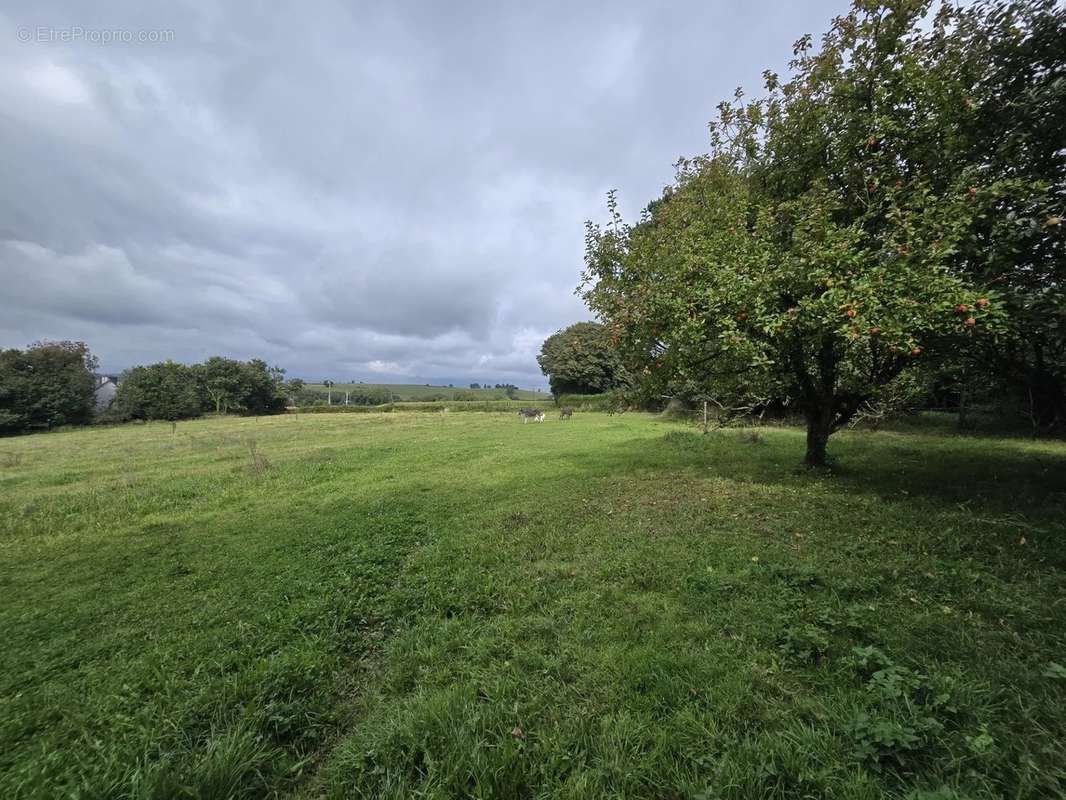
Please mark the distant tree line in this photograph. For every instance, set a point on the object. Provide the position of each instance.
(368, 395)
(492, 386)
(169, 390)
(51, 384)
(361, 396)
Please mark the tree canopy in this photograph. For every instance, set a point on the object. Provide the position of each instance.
(580, 359)
(840, 231)
(167, 390)
(45, 385)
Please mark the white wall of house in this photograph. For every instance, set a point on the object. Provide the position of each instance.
(105, 393)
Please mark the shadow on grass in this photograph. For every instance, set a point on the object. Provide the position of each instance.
(1000, 477)
(979, 475)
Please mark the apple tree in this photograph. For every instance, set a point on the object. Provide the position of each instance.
(819, 250)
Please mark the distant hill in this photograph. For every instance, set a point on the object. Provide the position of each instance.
(419, 391)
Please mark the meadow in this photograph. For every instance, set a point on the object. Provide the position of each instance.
(460, 605)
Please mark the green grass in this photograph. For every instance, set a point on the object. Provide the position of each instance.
(418, 605)
(420, 392)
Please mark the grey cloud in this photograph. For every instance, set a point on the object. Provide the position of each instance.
(364, 191)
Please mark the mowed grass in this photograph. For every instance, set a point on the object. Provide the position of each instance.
(415, 605)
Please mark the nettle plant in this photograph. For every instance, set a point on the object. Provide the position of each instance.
(814, 254)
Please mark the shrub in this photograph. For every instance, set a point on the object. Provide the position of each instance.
(588, 402)
(160, 391)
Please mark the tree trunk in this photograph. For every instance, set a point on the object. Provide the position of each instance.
(1047, 397)
(818, 430)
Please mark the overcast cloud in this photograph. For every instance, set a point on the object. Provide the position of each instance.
(375, 191)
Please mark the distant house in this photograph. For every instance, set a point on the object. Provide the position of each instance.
(106, 387)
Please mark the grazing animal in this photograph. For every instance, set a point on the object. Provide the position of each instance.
(566, 412)
(528, 414)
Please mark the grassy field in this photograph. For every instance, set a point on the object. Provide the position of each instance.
(418, 605)
(418, 392)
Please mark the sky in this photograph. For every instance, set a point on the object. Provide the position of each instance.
(388, 191)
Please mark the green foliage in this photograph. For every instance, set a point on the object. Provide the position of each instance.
(807, 643)
(262, 389)
(826, 244)
(906, 715)
(174, 391)
(247, 386)
(371, 396)
(167, 390)
(581, 359)
(590, 402)
(221, 381)
(293, 389)
(1000, 67)
(52, 383)
(46, 385)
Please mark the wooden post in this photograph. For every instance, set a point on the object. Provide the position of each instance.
(705, 416)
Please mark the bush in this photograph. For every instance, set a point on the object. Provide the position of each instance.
(160, 391)
(588, 402)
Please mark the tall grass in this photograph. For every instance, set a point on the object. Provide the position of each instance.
(459, 605)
